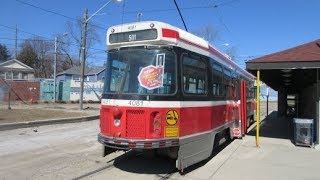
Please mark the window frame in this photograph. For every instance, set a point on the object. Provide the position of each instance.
(175, 77)
(78, 79)
(221, 76)
(206, 81)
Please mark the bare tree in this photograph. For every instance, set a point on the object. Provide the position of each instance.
(231, 52)
(44, 51)
(211, 34)
(208, 32)
(75, 30)
(65, 59)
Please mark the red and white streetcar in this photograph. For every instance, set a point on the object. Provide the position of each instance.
(171, 91)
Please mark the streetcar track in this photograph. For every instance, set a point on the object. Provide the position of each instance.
(124, 156)
(168, 175)
(94, 172)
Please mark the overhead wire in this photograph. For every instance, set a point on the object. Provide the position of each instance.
(46, 10)
(56, 13)
(14, 29)
(100, 51)
(127, 12)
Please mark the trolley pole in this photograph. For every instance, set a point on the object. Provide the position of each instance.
(258, 109)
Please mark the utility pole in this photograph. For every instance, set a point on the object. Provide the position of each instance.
(83, 46)
(55, 69)
(16, 44)
(83, 55)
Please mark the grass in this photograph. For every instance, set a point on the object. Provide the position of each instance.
(23, 115)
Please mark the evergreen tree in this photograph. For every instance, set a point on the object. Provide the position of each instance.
(4, 53)
(27, 55)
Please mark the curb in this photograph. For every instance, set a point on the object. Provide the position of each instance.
(10, 126)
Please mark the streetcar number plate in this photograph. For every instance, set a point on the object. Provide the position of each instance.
(135, 103)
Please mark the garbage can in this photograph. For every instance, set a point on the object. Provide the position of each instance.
(303, 132)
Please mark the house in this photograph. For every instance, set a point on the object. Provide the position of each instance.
(15, 70)
(90, 75)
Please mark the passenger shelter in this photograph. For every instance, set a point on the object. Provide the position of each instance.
(294, 73)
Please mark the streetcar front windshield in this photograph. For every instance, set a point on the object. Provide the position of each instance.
(141, 71)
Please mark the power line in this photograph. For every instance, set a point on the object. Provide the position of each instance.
(56, 13)
(181, 8)
(26, 39)
(8, 44)
(52, 40)
(36, 35)
(14, 29)
(46, 10)
(169, 9)
(225, 3)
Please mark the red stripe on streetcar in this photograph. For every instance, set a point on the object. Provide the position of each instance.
(169, 33)
(117, 142)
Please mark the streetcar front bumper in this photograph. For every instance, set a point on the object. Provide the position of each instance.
(126, 144)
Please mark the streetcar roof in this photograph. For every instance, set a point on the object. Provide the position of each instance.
(167, 34)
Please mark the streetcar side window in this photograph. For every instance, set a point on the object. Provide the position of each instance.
(194, 75)
(228, 83)
(217, 77)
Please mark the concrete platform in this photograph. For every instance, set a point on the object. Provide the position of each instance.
(277, 157)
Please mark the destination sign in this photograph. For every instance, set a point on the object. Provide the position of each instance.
(141, 35)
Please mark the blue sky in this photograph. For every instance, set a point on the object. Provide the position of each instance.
(254, 28)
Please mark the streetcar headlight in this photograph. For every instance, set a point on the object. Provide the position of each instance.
(116, 122)
(156, 124)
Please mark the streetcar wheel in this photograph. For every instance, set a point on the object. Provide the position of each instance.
(221, 138)
(107, 150)
(104, 151)
(172, 152)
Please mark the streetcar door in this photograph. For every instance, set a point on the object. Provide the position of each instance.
(243, 107)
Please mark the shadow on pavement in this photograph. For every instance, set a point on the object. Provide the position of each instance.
(151, 163)
(275, 127)
(139, 163)
(145, 163)
(215, 151)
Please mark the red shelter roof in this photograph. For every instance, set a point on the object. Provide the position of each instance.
(292, 69)
(304, 53)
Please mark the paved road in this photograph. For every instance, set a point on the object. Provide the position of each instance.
(71, 151)
(55, 151)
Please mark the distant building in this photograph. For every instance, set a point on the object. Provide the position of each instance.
(15, 70)
(90, 75)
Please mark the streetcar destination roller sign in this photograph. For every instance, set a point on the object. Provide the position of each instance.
(132, 36)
